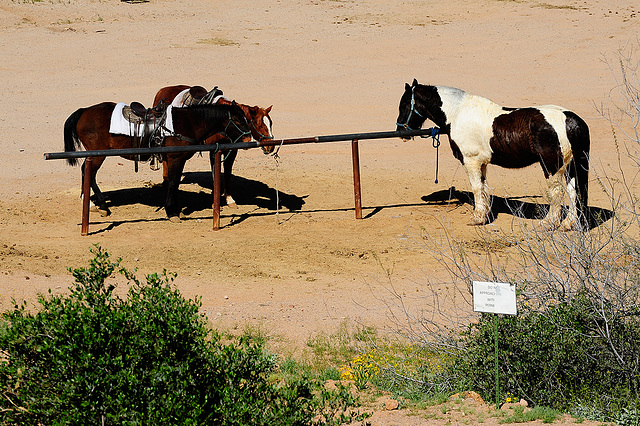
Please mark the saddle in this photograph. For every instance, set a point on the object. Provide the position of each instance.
(136, 113)
(198, 95)
(149, 120)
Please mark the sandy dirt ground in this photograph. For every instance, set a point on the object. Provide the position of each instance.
(327, 67)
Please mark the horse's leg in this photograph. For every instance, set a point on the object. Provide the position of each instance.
(100, 204)
(228, 167)
(229, 158)
(175, 166)
(556, 191)
(476, 172)
(571, 222)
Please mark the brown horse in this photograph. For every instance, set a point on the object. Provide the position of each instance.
(258, 119)
(191, 125)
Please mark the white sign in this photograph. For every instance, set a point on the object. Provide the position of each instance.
(495, 298)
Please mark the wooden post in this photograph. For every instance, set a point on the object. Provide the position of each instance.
(86, 192)
(217, 184)
(356, 177)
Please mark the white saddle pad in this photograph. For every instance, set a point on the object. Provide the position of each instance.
(178, 101)
(121, 126)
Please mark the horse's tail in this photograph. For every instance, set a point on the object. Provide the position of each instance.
(578, 134)
(71, 140)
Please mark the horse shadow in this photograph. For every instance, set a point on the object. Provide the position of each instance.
(249, 192)
(245, 192)
(513, 206)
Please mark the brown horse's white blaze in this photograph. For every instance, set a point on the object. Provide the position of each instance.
(482, 132)
(258, 118)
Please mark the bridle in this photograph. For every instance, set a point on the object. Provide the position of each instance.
(435, 132)
(242, 132)
(411, 112)
(262, 137)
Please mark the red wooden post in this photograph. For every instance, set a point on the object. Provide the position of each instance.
(217, 184)
(86, 191)
(356, 177)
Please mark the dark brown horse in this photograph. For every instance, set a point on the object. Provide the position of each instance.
(90, 127)
(258, 118)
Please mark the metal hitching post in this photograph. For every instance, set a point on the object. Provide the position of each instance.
(355, 153)
(86, 196)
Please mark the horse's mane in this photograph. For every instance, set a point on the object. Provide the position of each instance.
(209, 111)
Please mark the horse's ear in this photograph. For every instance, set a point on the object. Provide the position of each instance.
(415, 82)
(268, 110)
(407, 87)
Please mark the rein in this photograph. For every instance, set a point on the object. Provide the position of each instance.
(435, 142)
(193, 141)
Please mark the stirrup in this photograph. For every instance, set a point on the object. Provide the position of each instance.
(154, 164)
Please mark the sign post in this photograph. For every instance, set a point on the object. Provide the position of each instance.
(495, 298)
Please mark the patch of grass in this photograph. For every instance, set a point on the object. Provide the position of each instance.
(544, 5)
(218, 41)
(329, 350)
(519, 415)
(559, 7)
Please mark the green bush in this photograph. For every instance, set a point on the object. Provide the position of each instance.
(564, 356)
(91, 357)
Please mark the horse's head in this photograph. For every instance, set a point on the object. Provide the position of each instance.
(261, 126)
(412, 114)
(237, 129)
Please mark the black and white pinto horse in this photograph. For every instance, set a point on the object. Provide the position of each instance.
(481, 132)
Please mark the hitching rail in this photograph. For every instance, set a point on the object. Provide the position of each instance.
(218, 148)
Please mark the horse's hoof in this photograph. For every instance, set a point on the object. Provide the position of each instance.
(174, 219)
(229, 201)
(570, 225)
(475, 221)
(104, 212)
(546, 226)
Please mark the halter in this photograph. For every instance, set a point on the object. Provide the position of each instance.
(412, 111)
(435, 132)
(242, 133)
(262, 137)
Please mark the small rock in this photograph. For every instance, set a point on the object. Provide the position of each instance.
(391, 404)
(468, 395)
(512, 405)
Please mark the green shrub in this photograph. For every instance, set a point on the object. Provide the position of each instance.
(91, 357)
(556, 357)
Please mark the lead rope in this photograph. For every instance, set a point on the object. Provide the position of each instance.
(435, 137)
(276, 158)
